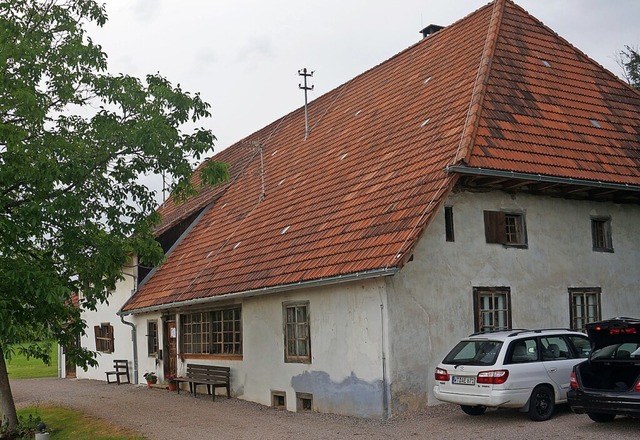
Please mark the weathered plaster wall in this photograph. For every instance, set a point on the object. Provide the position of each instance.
(121, 333)
(431, 302)
(345, 375)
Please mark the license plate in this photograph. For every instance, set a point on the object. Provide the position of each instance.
(463, 380)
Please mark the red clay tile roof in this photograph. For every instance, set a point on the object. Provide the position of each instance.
(357, 194)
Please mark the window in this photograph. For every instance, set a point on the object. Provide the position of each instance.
(523, 351)
(152, 337)
(297, 341)
(492, 308)
(505, 228)
(601, 234)
(448, 223)
(217, 332)
(584, 306)
(104, 337)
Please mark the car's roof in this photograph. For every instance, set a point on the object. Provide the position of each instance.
(503, 335)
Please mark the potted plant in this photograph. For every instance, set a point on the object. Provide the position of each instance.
(172, 384)
(151, 378)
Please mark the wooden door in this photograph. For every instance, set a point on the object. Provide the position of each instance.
(170, 348)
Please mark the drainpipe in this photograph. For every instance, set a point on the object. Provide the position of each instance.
(385, 395)
(134, 338)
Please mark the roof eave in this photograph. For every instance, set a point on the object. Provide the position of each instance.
(465, 170)
(357, 276)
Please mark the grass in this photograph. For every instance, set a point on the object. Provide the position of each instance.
(19, 367)
(63, 423)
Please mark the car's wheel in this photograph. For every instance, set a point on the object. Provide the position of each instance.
(601, 417)
(542, 403)
(473, 410)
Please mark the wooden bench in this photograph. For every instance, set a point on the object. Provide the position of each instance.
(120, 368)
(210, 375)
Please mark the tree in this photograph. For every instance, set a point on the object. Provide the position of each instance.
(74, 140)
(629, 60)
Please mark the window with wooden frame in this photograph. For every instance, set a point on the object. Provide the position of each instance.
(584, 306)
(297, 340)
(104, 337)
(506, 228)
(216, 332)
(492, 308)
(152, 337)
(601, 234)
(448, 223)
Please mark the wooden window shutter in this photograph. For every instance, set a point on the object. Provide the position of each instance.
(494, 227)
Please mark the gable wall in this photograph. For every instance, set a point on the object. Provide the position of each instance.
(123, 344)
(431, 301)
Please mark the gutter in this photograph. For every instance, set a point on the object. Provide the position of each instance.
(268, 290)
(541, 178)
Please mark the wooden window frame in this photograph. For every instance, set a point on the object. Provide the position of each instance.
(104, 337)
(601, 239)
(297, 334)
(579, 306)
(152, 337)
(507, 228)
(448, 224)
(478, 312)
(212, 333)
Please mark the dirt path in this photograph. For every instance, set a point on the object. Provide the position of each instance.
(162, 415)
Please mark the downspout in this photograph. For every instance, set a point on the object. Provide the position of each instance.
(385, 392)
(134, 338)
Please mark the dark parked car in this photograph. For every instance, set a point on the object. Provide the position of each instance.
(608, 383)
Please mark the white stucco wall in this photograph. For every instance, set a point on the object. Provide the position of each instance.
(431, 300)
(345, 375)
(123, 344)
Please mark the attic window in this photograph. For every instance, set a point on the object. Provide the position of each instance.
(595, 123)
(358, 112)
(426, 121)
(237, 244)
(284, 231)
(546, 63)
(343, 156)
(281, 182)
(274, 153)
(427, 80)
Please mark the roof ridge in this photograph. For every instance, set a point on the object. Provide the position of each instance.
(480, 86)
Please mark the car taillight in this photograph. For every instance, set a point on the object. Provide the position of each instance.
(493, 377)
(573, 382)
(442, 375)
(637, 388)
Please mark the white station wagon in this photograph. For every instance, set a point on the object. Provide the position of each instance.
(525, 369)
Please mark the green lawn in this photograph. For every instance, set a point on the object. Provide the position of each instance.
(19, 367)
(63, 423)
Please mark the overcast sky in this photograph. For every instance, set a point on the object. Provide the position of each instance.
(243, 55)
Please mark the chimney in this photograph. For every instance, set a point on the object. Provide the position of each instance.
(430, 30)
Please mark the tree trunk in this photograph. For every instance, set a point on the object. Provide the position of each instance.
(7, 406)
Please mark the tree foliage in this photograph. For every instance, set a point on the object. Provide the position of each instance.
(74, 140)
(629, 60)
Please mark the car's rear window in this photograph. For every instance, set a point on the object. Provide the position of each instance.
(474, 353)
(618, 352)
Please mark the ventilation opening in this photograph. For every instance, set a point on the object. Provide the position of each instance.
(304, 402)
(278, 399)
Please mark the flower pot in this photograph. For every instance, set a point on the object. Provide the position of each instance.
(151, 382)
(172, 386)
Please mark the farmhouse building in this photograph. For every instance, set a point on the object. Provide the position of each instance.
(487, 177)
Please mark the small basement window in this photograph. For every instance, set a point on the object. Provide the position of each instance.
(304, 402)
(278, 399)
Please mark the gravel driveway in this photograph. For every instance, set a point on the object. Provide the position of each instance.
(162, 415)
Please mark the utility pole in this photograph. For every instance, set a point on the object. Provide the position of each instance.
(306, 88)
